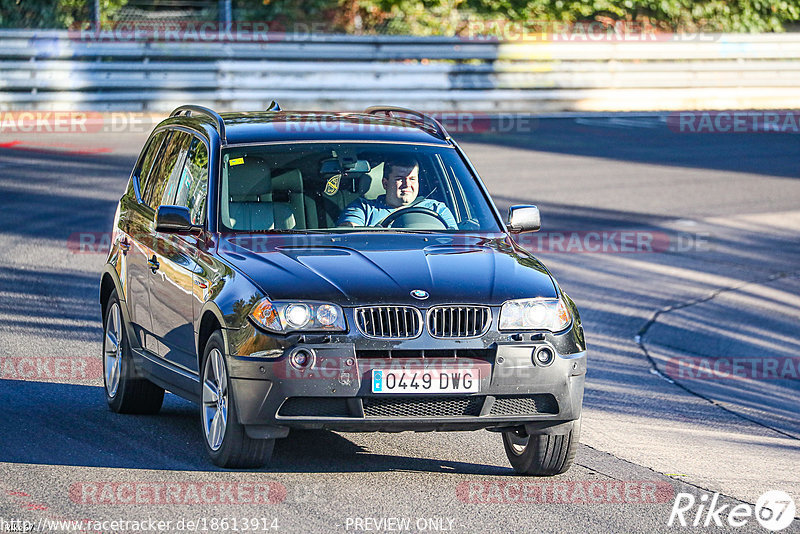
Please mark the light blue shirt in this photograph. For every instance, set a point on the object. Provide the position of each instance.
(365, 212)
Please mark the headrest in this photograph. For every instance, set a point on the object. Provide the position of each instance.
(290, 181)
(250, 181)
(355, 182)
(375, 187)
(362, 184)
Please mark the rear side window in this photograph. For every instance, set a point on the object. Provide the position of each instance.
(146, 163)
(169, 160)
(192, 184)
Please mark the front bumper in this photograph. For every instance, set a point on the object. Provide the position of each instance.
(335, 393)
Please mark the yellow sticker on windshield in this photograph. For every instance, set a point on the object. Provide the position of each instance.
(236, 161)
(332, 186)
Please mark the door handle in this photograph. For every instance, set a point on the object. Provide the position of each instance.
(153, 264)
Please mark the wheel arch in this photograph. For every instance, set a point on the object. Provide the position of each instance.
(211, 319)
(107, 287)
(109, 281)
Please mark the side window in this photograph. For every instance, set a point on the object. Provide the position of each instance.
(169, 159)
(192, 185)
(453, 191)
(146, 164)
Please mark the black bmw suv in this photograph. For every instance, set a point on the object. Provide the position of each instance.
(342, 271)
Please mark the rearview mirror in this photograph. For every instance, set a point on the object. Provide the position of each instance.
(171, 219)
(523, 219)
(345, 166)
(359, 165)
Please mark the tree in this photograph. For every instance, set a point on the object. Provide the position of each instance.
(444, 17)
(52, 13)
(674, 15)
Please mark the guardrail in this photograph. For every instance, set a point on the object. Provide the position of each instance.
(63, 70)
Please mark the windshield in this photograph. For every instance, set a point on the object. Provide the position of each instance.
(350, 186)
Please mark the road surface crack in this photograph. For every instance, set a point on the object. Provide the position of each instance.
(640, 335)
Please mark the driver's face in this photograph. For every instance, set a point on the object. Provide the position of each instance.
(402, 186)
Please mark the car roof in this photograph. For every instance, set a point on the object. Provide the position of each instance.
(275, 126)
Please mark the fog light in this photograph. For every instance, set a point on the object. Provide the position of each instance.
(544, 355)
(302, 358)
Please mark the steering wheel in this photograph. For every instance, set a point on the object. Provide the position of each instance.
(389, 219)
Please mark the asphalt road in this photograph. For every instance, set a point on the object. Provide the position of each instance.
(720, 279)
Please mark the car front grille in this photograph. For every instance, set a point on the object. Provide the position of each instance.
(389, 322)
(524, 405)
(458, 321)
(422, 407)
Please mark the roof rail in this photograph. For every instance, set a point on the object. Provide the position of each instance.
(189, 109)
(425, 119)
(274, 106)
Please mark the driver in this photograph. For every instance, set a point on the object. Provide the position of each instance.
(401, 182)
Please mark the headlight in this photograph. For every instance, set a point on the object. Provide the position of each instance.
(283, 317)
(327, 315)
(535, 314)
(297, 315)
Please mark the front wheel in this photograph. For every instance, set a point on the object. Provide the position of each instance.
(542, 454)
(227, 443)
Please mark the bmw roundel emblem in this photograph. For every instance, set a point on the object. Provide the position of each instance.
(419, 294)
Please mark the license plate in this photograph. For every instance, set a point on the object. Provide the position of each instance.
(422, 381)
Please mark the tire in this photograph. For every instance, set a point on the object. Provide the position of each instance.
(125, 392)
(225, 439)
(542, 454)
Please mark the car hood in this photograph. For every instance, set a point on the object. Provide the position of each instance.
(363, 268)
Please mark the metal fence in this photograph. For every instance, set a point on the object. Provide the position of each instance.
(69, 70)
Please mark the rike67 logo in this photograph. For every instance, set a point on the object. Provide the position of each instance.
(774, 510)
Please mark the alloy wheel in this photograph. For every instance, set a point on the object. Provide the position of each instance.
(215, 399)
(112, 350)
(518, 441)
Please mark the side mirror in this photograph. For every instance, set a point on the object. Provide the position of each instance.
(171, 219)
(523, 219)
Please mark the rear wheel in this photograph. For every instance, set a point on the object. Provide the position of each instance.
(227, 443)
(542, 454)
(125, 392)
